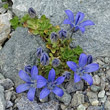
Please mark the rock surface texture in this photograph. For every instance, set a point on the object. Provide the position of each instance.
(97, 37)
(18, 52)
(4, 26)
(2, 99)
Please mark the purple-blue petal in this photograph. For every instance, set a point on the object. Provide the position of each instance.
(22, 88)
(24, 76)
(34, 72)
(51, 76)
(58, 91)
(45, 92)
(82, 29)
(76, 78)
(41, 81)
(67, 21)
(31, 94)
(82, 60)
(70, 15)
(72, 65)
(88, 78)
(60, 80)
(91, 67)
(79, 17)
(86, 23)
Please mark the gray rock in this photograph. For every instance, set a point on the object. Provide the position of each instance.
(108, 74)
(95, 88)
(77, 99)
(103, 84)
(52, 105)
(2, 10)
(81, 107)
(8, 95)
(6, 83)
(25, 104)
(101, 94)
(96, 80)
(107, 105)
(2, 99)
(97, 37)
(107, 60)
(18, 52)
(95, 102)
(103, 99)
(94, 108)
(4, 26)
(63, 107)
(92, 97)
(9, 104)
(1, 76)
(72, 87)
(66, 98)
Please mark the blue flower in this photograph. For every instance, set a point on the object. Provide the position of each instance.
(81, 71)
(31, 83)
(54, 37)
(28, 68)
(55, 62)
(39, 52)
(44, 59)
(89, 59)
(32, 12)
(50, 84)
(76, 23)
(62, 34)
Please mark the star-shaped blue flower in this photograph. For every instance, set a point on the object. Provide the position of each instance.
(50, 84)
(76, 24)
(31, 83)
(82, 69)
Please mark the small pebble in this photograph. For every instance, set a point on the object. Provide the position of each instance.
(101, 94)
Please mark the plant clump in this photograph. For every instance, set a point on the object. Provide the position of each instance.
(60, 60)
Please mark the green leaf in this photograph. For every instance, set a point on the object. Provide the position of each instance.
(5, 5)
(25, 18)
(15, 22)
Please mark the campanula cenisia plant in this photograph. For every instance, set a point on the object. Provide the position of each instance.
(31, 83)
(54, 37)
(89, 59)
(62, 34)
(44, 59)
(32, 12)
(28, 68)
(39, 52)
(55, 62)
(75, 22)
(50, 84)
(82, 69)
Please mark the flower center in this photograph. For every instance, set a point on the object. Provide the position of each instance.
(33, 83)
(80, 71)
(50, 85)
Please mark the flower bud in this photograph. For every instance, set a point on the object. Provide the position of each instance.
(55, 62)
(32, 12)
(89, 59)
(44, 59)
(62, 34)
(28, 68)
(39, 52)
(67, 75)
(54, 37)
